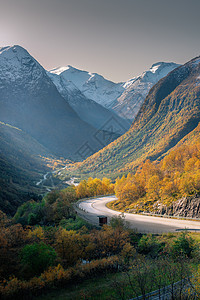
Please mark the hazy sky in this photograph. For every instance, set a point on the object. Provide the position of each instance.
(116, 38)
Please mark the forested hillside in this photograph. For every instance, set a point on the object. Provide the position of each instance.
(171, 112)
(21, 167)
(157, 185)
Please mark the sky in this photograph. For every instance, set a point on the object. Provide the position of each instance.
(118, 39)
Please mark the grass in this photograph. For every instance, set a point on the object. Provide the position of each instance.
(109, 287)
(97, 288)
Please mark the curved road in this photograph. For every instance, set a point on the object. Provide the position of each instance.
(92, 208)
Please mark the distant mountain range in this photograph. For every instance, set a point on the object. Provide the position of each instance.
(136, 89)
(125, 98)
(30, 101)
(60, 113)
(169, 117)
(93, 86)
(66, 110)
(89, 110)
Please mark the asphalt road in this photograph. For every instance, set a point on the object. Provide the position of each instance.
(92, 208)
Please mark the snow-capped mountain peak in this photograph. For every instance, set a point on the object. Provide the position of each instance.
(137, 88)
(59, 70)
(92, 85)
(111, 95)
(156, 72)
(14, 56)
(16, 63)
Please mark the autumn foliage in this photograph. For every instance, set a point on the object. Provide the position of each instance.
(175, 176)
(94, 187)
(55, 256)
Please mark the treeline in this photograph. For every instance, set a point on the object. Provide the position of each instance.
(175, 176)
(54, 207)
(94, 187)
(57, 206)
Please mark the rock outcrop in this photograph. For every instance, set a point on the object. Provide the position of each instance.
(185, 207)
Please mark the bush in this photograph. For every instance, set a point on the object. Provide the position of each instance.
(118, 222)
(37, 257)
(148, 245)
(55, 277)
(74, 223)
(183, 246)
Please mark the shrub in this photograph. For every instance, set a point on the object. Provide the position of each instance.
(148, 245)
(183, 246)
(37, 257)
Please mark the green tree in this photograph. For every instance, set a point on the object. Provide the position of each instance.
(183, 246)
(37, 257)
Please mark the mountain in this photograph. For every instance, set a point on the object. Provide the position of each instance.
(125, 98)
(170, 113)
(93, 86)
(88, 110)
(21, 167)
(136, 89)
(30, 101)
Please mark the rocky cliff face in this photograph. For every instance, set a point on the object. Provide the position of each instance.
(185, 207)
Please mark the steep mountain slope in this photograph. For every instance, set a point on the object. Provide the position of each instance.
(124, 98)
(93, 86)
(136, 89)
(20, 167)
(88, 110)
(170, 112)
(29, 100)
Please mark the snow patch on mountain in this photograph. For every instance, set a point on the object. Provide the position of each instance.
(92, 85)
(17, 64)
(125, 98)
(88, 110)
(137, 88)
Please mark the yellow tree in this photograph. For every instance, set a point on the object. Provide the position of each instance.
(81, 190)
(67, 245)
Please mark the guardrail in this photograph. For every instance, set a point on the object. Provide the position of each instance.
(166, 292)
(168, 216)
(141, 213)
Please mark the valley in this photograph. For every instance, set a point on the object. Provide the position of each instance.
(99, 150)
(170, 112)
(75, 146)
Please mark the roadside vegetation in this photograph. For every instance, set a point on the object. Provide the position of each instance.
(66, 257)
(177, 175)
(48, 251)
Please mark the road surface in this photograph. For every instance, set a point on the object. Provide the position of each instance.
(92, 208)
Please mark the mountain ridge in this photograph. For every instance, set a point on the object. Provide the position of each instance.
(137, 88)
(124, 98)
(29, 100)
(92, 85)
(87, 109)
(21, 166)
(170, 111)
